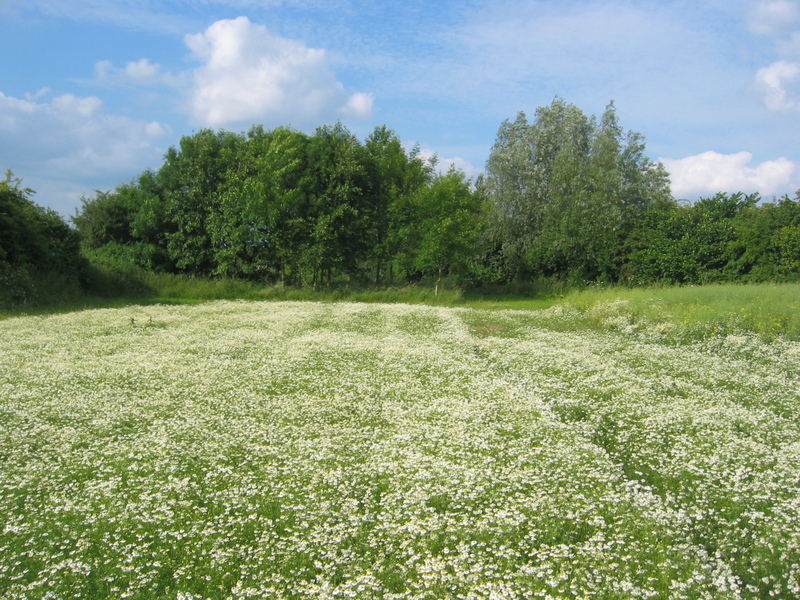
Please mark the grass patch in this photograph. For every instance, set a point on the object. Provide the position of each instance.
(770, 310)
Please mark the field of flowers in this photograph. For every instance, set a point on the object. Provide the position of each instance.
(299, 450)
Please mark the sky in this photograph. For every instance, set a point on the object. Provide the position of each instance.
(93, 92)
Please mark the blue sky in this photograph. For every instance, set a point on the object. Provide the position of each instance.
(92, 92)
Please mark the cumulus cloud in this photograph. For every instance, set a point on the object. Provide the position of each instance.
(712, 172)
(777, 83)
(359, 106)
(47, 139)
(250, 75)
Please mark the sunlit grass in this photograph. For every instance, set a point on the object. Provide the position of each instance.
(324, 450)
(769, 310)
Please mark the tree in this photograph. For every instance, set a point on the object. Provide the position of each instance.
(150, 225)
(690, 243)
(672, 251)
(105, 218)
(20, 241)
(512, 186)
(127, 223)
(566, 191)
(340, 206)
(443, 227)
(258, 226)
(787, 249)
(390, 174)
(37, 248)
(189, 182)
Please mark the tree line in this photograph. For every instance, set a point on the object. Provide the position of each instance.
(564, 196)
(575, 198)
(283, 206)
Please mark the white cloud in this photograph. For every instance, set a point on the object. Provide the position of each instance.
(775, 17)
(103, 69)
(249, 75)
(779, 83)
(712, 172)
(141, 69)
(359, 106)
(75, 107)
(67, 138)
(776, 82)
(137, 73)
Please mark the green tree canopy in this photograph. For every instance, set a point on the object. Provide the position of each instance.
(441, 227)
(566, 190)
(189, 183)
(35, 244)
(258, 225)
(565, 196)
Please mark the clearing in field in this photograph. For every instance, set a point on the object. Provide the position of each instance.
(300, 450)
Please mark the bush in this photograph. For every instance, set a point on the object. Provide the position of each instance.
(40, 259)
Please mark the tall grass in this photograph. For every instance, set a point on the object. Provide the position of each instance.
(137, 287)
(192, 289)
(770, 310)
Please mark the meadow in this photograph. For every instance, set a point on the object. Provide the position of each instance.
(609, 448)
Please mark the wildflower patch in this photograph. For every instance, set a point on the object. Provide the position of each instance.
(303, 450)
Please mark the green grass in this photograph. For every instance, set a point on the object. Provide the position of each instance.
(181, 287)
(769, 310)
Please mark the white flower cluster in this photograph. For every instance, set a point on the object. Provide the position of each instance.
(299, 450)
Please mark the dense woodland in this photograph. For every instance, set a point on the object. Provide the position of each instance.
(564, 196)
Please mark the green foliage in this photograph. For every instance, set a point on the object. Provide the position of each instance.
(39, 254)
(257, 227)
(394, 176)
(728, 237)
(567, 198)
(271, 206)
(189, 183)
(107, 218)
(682, 246)
(442, 227)
(116, 273)
(765, 242)
(340, 207)
(566, 192)
(786, 242)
